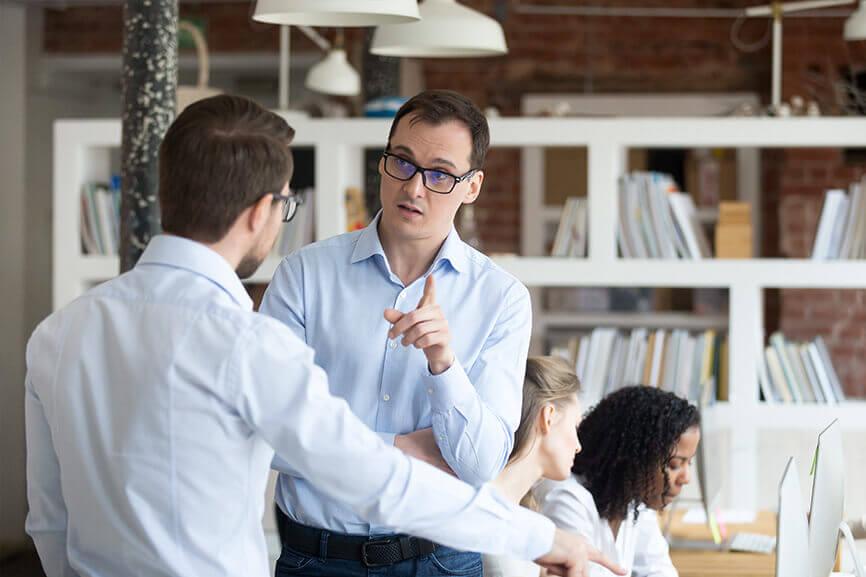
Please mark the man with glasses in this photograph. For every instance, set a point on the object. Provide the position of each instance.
(425, 337)
(154, 402)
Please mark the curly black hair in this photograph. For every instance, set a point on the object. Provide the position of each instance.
(627, 438)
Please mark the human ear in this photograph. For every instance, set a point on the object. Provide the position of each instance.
(545, 418)
(475, 182)
(260, 213)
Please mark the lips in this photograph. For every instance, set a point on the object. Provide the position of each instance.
(410, 207)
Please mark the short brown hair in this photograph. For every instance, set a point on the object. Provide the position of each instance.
(437, 107)
(219, 156)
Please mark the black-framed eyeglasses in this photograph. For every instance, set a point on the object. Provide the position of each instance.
(291, 202)
(434, 180)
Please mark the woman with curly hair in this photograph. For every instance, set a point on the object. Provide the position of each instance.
(638, 443)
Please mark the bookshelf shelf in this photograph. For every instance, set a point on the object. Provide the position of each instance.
(777, 273)
(85, 150)
(814, 417)
(654, 320)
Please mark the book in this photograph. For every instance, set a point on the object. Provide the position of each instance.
(777, 340)
(685, 213)
(811, 375)
(777, 375)
(821, 373)
(828, 366)
(825, 247)
(764, 381)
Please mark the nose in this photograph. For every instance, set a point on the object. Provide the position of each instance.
(415, 186)
(685, 477)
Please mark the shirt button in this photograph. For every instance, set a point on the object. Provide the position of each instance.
(387, 398)
(393, 344)
(430, 391)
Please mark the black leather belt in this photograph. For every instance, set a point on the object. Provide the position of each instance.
(372, 552)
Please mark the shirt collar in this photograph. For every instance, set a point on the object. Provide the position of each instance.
(179, 252)
(453, 250)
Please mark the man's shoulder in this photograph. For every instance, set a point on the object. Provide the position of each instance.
(342, 244)
(484, 269)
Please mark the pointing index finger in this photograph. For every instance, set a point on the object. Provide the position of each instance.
(429, 296)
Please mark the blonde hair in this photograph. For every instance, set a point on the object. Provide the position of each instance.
(548, 380)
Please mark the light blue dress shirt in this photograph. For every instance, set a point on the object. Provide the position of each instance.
(333, 294)
(152, 404)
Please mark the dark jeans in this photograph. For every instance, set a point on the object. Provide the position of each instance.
(443, 561)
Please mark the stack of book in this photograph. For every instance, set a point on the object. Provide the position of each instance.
(694, 366)
(100, 217)
(798, 373)
(842, 228)
(656, 220)
(570, 239)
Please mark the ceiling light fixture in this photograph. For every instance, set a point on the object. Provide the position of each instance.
(447, 29)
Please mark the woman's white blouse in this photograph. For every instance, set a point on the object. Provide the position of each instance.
(639, 546)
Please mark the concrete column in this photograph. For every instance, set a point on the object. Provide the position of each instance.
(13, 260)
(149, 86)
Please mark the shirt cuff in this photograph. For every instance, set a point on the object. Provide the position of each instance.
(449, 388)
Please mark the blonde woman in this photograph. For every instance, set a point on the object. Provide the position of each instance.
(544, 444)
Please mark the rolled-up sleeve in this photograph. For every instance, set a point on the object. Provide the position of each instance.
(476, 411)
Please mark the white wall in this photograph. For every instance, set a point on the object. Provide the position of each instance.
(13, 69)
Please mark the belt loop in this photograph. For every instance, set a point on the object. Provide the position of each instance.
(323, 546)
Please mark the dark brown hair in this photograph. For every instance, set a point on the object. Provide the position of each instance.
(436, 107)
(219, 156)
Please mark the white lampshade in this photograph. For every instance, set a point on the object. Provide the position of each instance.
(336, 13)
(446, 30)
(334, 75)
(855, 26)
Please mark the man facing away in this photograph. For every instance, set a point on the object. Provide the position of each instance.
(424, 337)
(154, 400)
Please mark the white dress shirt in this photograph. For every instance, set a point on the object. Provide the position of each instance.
(152, 404)
(332, 295)
(502, 566)
(639, 547)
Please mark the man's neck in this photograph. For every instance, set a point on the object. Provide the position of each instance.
(409, 260)
(518, 477)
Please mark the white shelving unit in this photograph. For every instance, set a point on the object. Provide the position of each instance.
(82, 152)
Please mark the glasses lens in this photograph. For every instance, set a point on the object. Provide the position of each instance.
(289, 210)
(439, 181)
(399, 168)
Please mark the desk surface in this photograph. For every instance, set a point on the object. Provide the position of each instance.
(692, 563)
(723, 564)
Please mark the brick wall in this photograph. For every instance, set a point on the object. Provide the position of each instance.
(599, 54)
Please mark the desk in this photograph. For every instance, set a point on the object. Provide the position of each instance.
(723, 564)
(692, 563)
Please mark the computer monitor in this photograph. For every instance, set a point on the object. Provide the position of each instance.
(828, 501)
(708, 480)
(792, 531)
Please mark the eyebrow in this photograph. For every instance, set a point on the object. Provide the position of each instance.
(408, 151)
(680, 457)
